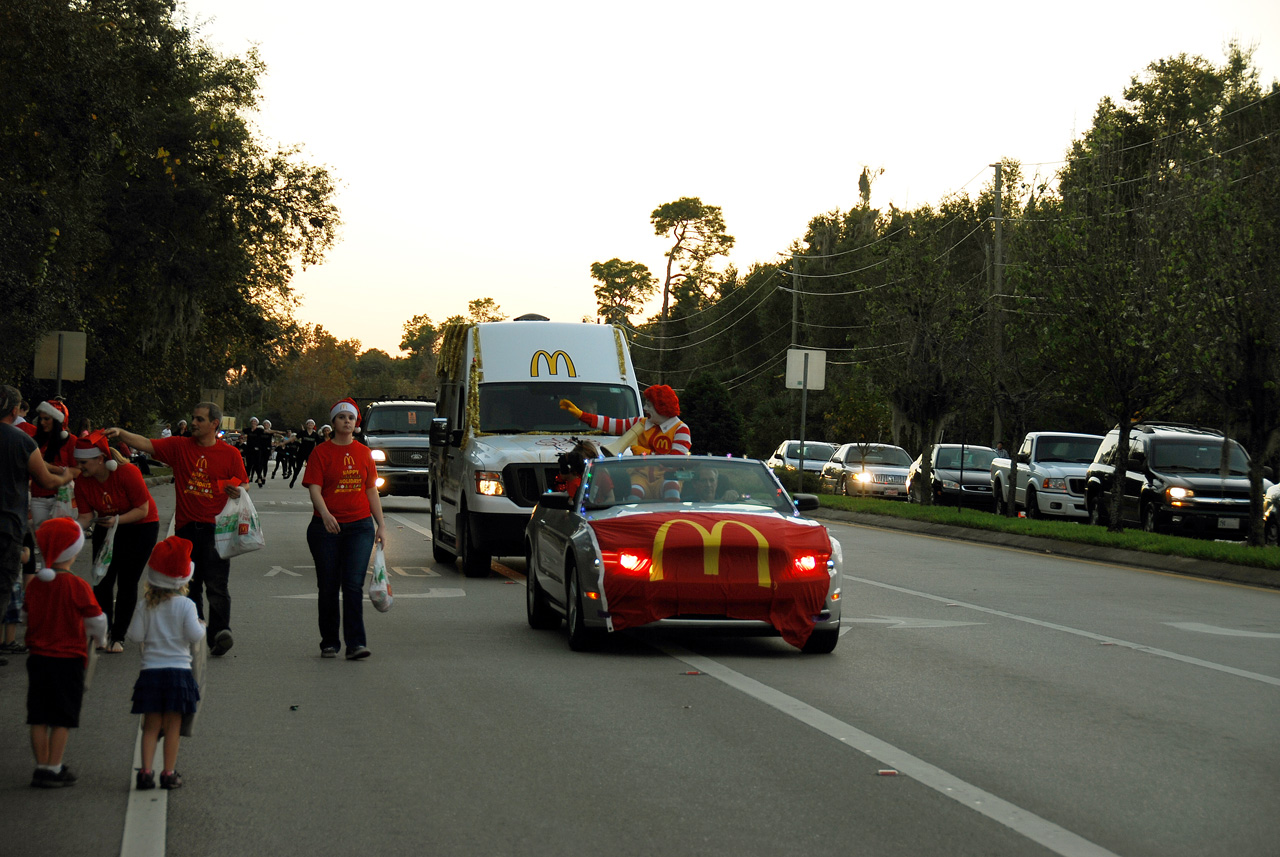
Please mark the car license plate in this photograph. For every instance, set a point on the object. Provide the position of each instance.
(891, 492)
(1229, 523)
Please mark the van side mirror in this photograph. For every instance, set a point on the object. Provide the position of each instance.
(438, 434)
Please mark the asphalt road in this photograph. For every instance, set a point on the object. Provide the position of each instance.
(1030, 705)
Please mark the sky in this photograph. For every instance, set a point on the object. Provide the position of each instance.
(498, 149)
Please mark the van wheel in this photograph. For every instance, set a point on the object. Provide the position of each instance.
(475, 563)
(1097, 512)
(439, 552)
(1150, 523)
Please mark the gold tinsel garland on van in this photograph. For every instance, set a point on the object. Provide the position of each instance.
(622, 360)
(453, 343)
(474, 376)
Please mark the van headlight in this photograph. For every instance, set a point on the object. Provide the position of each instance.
(489, 483)
(378, 454)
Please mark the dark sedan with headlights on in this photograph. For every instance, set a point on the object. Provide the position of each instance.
(867, 470)
(961, 476)
(682, 541)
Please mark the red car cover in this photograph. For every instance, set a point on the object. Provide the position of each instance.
(761, 567)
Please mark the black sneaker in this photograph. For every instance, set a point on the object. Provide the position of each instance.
(222, 643)
(43, 779)
(358, 653)
(171, 781)
(146, 780)
(328, 652)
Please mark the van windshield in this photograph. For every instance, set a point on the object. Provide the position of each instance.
(398, 419)
(529, 406)
(1197, 456)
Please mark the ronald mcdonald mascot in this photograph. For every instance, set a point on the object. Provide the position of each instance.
(659, 432)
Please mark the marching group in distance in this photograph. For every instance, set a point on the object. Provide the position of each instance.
(59, 489)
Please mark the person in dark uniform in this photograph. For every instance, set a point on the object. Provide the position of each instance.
(307, 442)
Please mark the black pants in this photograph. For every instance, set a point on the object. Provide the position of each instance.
(129, 557)
(211, 575)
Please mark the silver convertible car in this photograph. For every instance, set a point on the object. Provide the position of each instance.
(682, 541)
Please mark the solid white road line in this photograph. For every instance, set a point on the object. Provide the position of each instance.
(1101, 638)
(1046, 833)
(410, 524)
(147, 814)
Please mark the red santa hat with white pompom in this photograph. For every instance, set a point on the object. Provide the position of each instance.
(56, 411)
(59, 540)
(93, 446)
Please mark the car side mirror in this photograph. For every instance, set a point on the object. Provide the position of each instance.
(556, 500)
(806, 502)
(438, 434)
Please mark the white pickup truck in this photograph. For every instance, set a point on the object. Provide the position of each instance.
(1049, 478)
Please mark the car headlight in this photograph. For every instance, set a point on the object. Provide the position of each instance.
(378, 454)
(864, 476)
(950, 486)
(489, 483)
(1177, 493)
(1054, 483)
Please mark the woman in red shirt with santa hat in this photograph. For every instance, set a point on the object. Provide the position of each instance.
(112, 492)
(56, 448)
(342, 480)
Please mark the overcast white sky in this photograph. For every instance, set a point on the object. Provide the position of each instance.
(498, 149)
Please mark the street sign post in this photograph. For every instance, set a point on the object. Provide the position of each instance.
(806, 370)
(61, 355)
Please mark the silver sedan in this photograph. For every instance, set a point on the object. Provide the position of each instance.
(682, 540)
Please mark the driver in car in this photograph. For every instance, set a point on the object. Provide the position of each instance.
(705, 487)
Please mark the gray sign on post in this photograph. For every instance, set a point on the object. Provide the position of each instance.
(61, 355)
(817, 369)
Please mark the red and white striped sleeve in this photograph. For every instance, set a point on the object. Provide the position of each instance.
(682, 443)
(609, 425)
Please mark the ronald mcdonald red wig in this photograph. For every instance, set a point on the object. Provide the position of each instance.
(664, 400)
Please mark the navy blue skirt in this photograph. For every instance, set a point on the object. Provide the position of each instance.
(168, 689)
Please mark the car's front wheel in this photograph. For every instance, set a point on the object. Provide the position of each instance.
(1098, 511)
(1150, 519)
(439, 552)
(541, 615)
(1271, 530)
(1002, 506)
(1033, 503)
(581, 638)
(822, 641)
(475, 562)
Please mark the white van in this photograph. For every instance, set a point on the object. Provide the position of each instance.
(499, 428)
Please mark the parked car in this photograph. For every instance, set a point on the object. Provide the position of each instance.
(787, 455)
(1271, 515)
(1174, 481)
(396, 433)
(741, 560)
(1051, 470)
(867, 470)
(961, 476)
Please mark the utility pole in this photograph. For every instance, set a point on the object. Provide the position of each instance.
(795, 301)
(997, 286)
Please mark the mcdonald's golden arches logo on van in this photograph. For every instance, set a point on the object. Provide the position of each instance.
(553, 363)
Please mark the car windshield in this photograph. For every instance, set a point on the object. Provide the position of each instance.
(891, 455)
(813, 451)
(1074, 450)
(399, 419)
(529, 406)
(975, 458)
(1198, 456)
(637, 480)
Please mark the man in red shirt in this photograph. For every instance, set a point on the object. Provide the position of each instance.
(200, 462)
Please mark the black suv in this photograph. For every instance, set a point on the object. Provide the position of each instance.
(1174, 481)
(396, 433)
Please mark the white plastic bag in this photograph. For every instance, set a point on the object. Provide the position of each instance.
(380, 589)
(237, 529)
(103, 562)
(64, 503)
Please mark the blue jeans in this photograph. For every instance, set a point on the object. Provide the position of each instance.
(342, 560)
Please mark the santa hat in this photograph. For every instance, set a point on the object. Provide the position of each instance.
(346, 406)
(57, 411)
(664, 400)
(59, 540)
(93, 446)
(170, 565)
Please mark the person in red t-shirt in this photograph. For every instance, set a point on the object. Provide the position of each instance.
(56, 448)
(61, 612)
(204, 468)
(341, 478)
(111, 493)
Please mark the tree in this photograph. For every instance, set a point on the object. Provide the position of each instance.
(140, 207)
(421, 340)
(484, 309)
(711, 412)
(698, 234)
(623, 288)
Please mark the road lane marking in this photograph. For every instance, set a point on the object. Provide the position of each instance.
(1201, 628)
(276, 569)
(438, 592)
(146, 815)
(1101, 638)
(898, 623)
(410, 524)
(1042, 831)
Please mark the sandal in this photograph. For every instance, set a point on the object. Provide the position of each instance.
(115, 648)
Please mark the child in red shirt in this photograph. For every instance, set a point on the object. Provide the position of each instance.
(61, 610)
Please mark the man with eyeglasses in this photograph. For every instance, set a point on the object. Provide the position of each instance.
(704, 488)
(199, 463)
